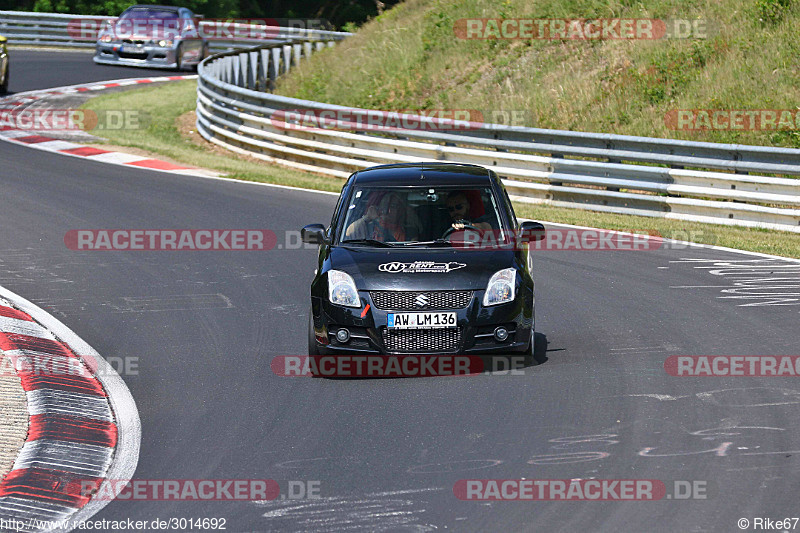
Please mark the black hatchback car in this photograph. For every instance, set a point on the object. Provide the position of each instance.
(403, 268)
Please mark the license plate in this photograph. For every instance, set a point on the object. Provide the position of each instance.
(129, 49)
(421, 320)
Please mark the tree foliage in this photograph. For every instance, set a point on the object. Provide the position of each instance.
(338, 12)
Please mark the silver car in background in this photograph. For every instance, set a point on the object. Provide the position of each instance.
(152, 36)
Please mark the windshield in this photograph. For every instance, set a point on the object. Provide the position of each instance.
(419, 216)
(148, 13)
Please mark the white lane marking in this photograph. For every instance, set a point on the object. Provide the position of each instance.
(78, 458)
(115, 157)
(58, 145)
(698, 286)
(23, 327)
(660, 397)
(637, 349)
(454, 466)
(793, 397)
(375, 511)
(718, 397)
(755, 282)
(13, 134)
(26, 510)
(53, 400)
(177, 302)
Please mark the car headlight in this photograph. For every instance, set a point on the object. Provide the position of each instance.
(342, 289)
(163, 43)
(105, 38)
(501, 287)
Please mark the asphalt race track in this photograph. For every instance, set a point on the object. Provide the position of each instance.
(42, 69)
(203, 327)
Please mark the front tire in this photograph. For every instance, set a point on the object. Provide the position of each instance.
(204, 53)
(312, 339)
(530, 351)
(179, 57)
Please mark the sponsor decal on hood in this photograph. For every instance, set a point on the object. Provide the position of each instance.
(418, 267)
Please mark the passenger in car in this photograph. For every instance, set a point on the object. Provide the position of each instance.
(386, 222)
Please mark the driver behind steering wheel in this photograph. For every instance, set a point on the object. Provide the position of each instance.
(458, 207)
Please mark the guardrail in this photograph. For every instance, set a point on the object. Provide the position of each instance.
(697, 181)
(80, 31)
(41, 29)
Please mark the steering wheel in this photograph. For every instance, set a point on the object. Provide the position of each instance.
(467, 226)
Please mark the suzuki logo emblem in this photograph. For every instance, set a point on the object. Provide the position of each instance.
(421, 300)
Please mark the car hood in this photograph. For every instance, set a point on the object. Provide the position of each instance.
(407, 269)
(141, 29)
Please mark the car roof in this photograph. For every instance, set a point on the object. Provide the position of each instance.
(154, 6)
(433, 174)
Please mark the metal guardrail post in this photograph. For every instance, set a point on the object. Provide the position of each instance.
(253, 84)
(264, 75)
(244, 64)
(296, 51)
(237, 71)
(287, 58)
(275, 71)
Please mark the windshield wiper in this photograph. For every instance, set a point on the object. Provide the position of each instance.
(437, 242)
(373, 242)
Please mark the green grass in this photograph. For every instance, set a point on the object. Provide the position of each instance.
(410, 58)
(165, 103)
(162, 105)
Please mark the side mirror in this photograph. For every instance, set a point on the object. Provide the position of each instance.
(532, 231)
(313, 234)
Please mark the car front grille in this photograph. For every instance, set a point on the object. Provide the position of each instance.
(133, 55)
(421, 340)
(411, 300)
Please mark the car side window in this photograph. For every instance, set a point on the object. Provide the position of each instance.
(510, 207)
(337, 209)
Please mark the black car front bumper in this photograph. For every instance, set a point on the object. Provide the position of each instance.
(473, 334)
